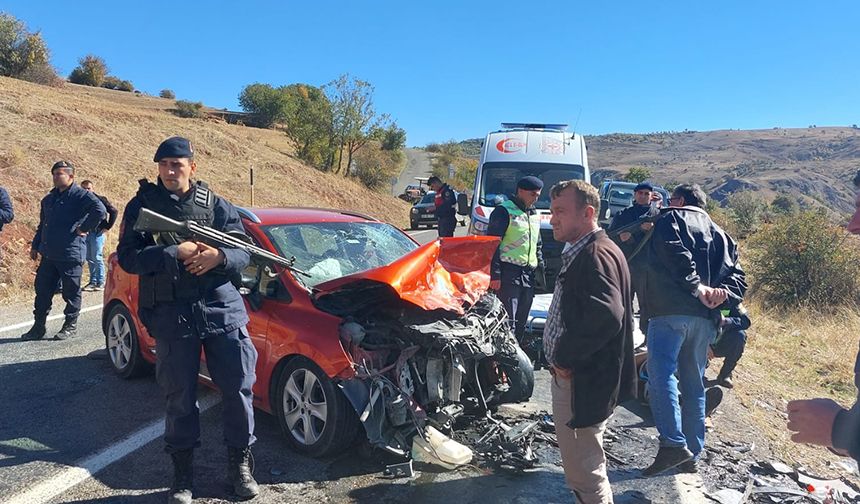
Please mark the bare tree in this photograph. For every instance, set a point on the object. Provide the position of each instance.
(353, 117)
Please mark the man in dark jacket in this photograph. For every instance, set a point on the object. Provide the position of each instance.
(693, 268)
(6, 212)
(630, 241)
(67, 214)
(446, 206)
(187, 301)
(96, 242)
(518, 258)
(822, 421)
(588, 338)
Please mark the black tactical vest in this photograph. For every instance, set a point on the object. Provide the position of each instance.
(199, 207)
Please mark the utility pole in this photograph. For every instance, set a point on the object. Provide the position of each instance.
(252, 185)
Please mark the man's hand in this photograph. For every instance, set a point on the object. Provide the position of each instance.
(185, 250)
(811, 420)
(34, 254)
(562, 372)
(624, 236)
(206, 259)
(79, 232)
(712, 297)
(495, 285)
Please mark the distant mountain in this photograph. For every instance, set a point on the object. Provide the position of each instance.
(814, 164)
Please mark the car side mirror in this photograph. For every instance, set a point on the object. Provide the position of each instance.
(604, 209)
(463, 204)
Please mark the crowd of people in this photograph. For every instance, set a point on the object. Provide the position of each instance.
(673, 261)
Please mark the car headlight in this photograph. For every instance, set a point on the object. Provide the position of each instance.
(480, 226)
(415, 210)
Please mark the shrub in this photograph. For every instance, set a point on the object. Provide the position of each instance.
(376, 168)
(118, 84)
(637, 174)
(44, 74)
(746, 211)
(185, 108)
(805, 260)
(20, 50)
(266, 103)
(167, 93)
(91, 71)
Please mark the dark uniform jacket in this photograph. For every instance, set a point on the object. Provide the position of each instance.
(6, 212)
(446, 204)
(112, 214)
(846, 426)
(216, 307)
(687, 250)
(508, 273)
(62, 214)
(625, 218)
(597, 342)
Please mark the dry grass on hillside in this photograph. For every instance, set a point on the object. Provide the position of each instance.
(111, 137)
(796, 355)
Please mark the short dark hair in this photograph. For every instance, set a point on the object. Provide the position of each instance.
(433, 180)
(87, 182)
(693, 195)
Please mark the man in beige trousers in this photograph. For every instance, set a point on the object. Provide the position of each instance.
(588, 338)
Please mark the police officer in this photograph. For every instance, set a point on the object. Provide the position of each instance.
(187, 301)
(67, 214)
(630, 242)
(446, 206)
(518, 258)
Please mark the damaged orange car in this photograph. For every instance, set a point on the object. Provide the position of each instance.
(382, 335)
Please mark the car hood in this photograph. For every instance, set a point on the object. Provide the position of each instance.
(445, 274)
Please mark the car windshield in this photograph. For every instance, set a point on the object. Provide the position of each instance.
(621, 196)
(331, 250)
(428, 198)
(499, 180)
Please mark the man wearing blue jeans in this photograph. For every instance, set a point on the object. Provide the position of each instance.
(96, 242)
(692, 270)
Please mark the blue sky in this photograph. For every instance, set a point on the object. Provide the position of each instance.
(457, 69)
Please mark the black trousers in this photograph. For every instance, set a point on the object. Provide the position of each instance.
(731, 346)
(48, 275)
(518, 303)
(231, 359)
(446, 227)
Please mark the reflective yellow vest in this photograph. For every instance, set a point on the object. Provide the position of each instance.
(519, 245)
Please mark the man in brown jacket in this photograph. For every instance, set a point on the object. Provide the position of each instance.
(588, 338)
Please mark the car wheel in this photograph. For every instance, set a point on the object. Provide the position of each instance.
(123, 345)
(521, 379)
(314, 415)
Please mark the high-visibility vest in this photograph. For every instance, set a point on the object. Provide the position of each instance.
(519, 245)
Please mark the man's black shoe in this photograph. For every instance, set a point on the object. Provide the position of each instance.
(725, 381)
(36, 332)
(689, 467)
(239, 467)
(183, 477)
(667, 458)
(713, 398)
(69, 329)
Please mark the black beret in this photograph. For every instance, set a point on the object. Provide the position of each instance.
(174, 147)
(641, 186)
(530, 183)
(62, 164)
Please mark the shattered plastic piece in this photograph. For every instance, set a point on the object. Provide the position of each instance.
(402, 470)
(727, 496)
(780, 467)
(439, 449)
(822, 488)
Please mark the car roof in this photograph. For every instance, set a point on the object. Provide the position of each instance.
(301, 215)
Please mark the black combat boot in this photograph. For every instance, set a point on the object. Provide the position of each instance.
(239, 462)
(183, 477)
(667, 458)
(37, 331)
(69, 329)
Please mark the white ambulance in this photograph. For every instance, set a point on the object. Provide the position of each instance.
(546, 151)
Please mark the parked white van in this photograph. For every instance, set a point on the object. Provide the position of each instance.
(546, 151)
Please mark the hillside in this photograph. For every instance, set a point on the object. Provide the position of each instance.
(813, 164)
(110, 136)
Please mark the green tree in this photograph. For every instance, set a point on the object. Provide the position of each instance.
(307, 120)
(91, 71)
(637, 174)
(20, 50)
(353, 117)
(266, 103)
(392, 138)
(785, 205)
(118, 84)
(167, 93)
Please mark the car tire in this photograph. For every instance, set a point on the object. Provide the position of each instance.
(123, 344)
(314, 415)
(521, 379)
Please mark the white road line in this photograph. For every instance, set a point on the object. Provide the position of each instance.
(46, 490)
(413, 233)
(52, 317)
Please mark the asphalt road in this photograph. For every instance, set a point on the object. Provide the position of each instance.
(417, 165)
(72, 431)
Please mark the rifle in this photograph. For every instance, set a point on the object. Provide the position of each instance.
(153, 222)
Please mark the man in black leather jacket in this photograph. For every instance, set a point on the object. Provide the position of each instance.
(692, 269)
